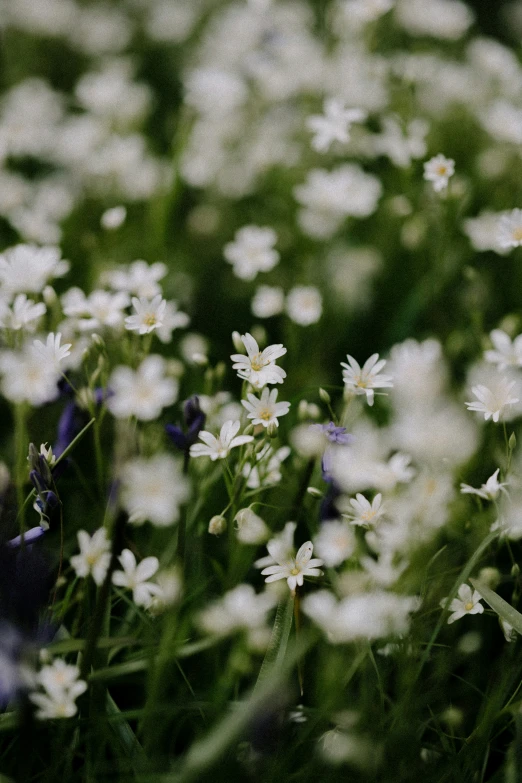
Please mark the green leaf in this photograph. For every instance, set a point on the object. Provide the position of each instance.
(276, 650)
(501, 607)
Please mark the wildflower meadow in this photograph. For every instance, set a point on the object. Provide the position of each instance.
(260, 391)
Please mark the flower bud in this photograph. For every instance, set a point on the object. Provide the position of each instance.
(217, 525)
(272, 429)
(323, 394)
(490, 576)
(49, 296)
(238, 343)
(250, 528)
(314, 492)
(512, 442)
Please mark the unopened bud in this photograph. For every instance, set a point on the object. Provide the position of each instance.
(490, 576)
(272, 429)
(238, 343)
(220, 370)
(314, 492)
(98, 340)
(323, 394)
(217, 525)
(209, 375)
(512, 442)
(200, 359)
(49, 296)
(515, 571)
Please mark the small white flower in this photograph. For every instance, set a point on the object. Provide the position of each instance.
(438, 170)
(364, 512)
(142, 393)
(252, 251)
(265, 410)
(251, 529)
(218, 448)
(488, 491)
(280, 547)
(239, 609)
(138, 278)
(334, 124)
(335, 542)
(492, 403)
(23, 313)
(113, 218)
(135, 577)
(507, 352)
(294, 569)
(268, 301)
(62, 686)
(28, 378)
(148, 315)
(58, 676)
(304, 305)
(365, 380)
(510, 229)
(468, 602)
(27, 268)
(153, 489)
(94, 557)
(259, 367)
(51, 351)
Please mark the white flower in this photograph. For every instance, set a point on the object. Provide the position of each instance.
(488, 491)
(27, 377)
(335, 542)
(492, 403)
(23, 313)
(364, 512)
(239, 609)
(294, 569)
(148, 315)
(510, 229)
(369, 616)
(252, 251)
(94, 557)
(27, 268)
(266, 470)
(259, 367)
(268, 301)
(468, 602)
(62, 686)
(172, 319)
(334, 124)
(280, 547)
(365, 380)
(139, 278)
(251, 529)
(113, 218)
(304, 305)
(153, 489)
(51, 351)
(135, 577)
(142, 393)
(438, 170)
(507, 352)
(218, 448)
(265, 410)
(99, 309)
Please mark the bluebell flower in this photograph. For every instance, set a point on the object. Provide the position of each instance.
(334, 434)
(194, 420)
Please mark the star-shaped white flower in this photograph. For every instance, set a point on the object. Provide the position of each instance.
(136, 578)
(468, 602)
(365, 380)
(265, 410)
(259, 367)
(148, 316)
(364, 512)
(492, 403)
(507, 352)
(438, 170)
(488, 491)
(52, 351)
(510, 229)
(94, 557)
(334, 124)
(294, 569)
(218, 448)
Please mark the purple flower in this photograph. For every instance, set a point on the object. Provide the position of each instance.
(334, 434)
(194, 420)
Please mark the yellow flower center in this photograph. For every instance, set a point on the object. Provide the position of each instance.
(469, 606)
(265, 414)
(256, 362)
(294, 571)
(367, 515)
(442, 170)
(150, 320)
(517, 234)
